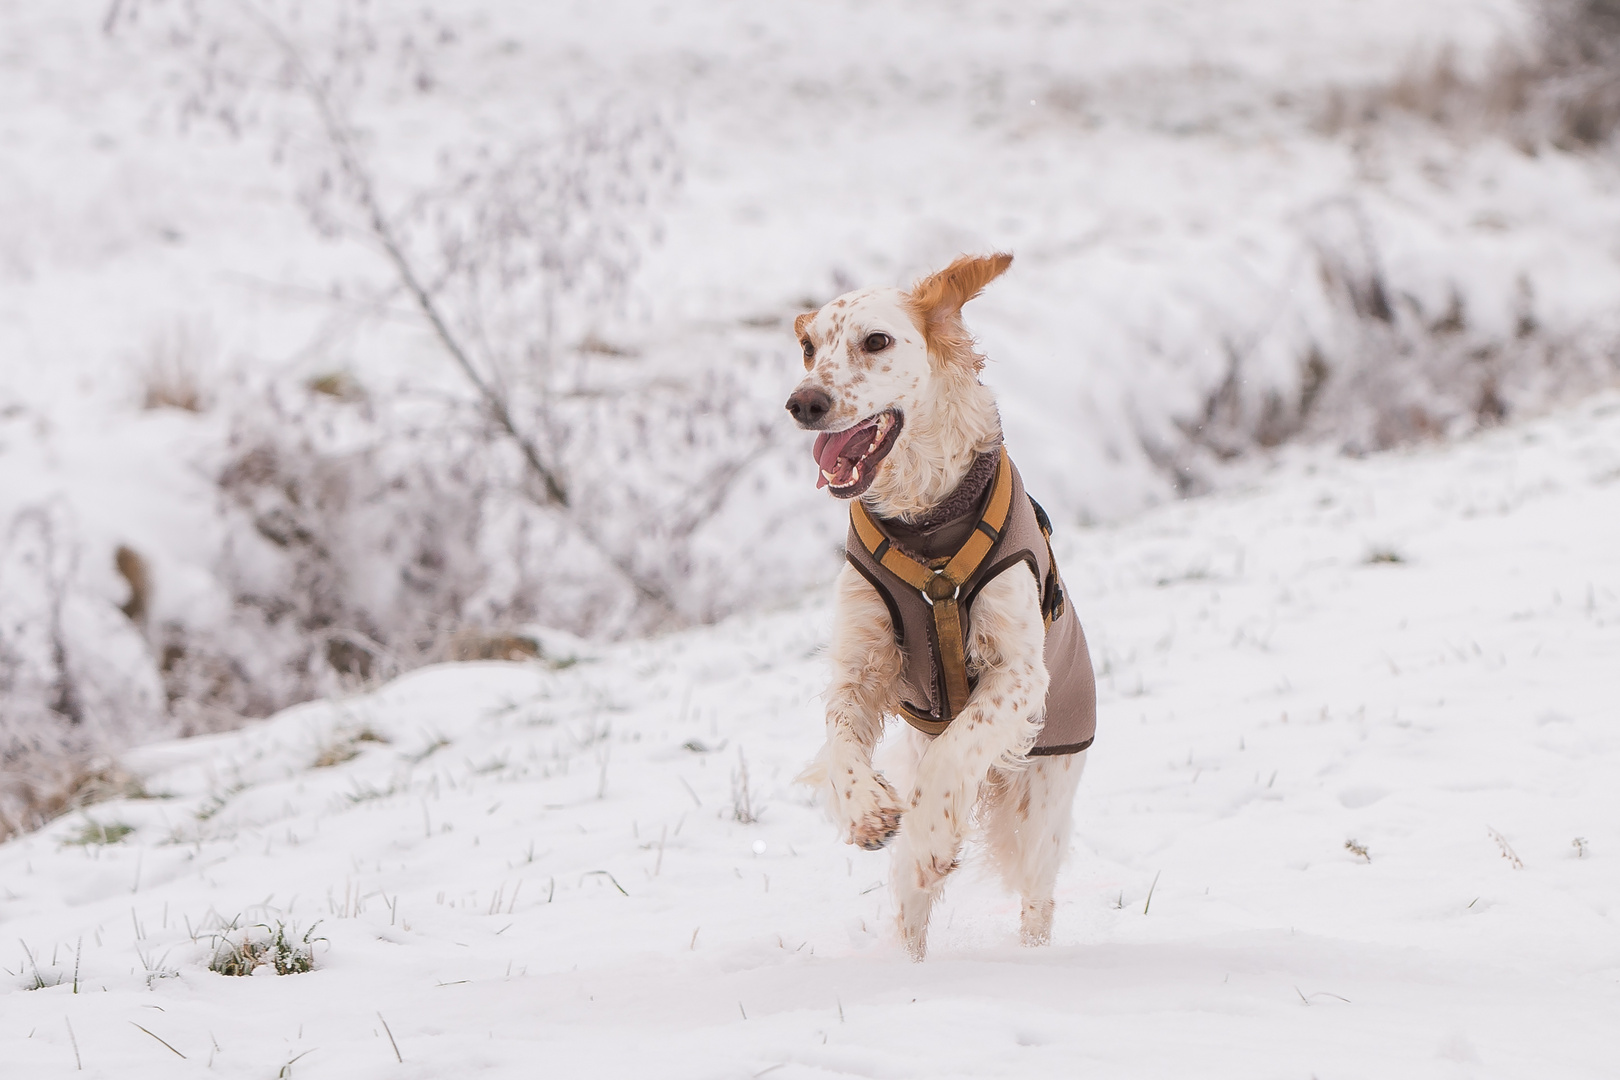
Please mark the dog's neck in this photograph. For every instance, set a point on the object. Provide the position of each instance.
(941, 442)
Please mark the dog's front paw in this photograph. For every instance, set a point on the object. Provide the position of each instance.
(872, 812)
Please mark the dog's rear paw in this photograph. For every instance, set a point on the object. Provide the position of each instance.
(1035, 922)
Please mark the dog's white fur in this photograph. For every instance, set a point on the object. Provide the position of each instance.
(975, 773)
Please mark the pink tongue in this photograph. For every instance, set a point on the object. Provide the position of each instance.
(829, 447)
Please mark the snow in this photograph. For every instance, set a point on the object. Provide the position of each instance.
(538, 869)
(539, 872)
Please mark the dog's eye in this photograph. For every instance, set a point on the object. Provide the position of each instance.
(877, 342)
(809, 351)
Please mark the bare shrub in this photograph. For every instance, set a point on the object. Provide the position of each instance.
(474, 643)
(353, 552)
(76, 681)
(1561, 87)
(40, 783)
(507, 250)
(1578, 96)
(1384, 369)
(1436, 89)
(173, 371)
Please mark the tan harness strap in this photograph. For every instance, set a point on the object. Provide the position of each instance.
(942, 589)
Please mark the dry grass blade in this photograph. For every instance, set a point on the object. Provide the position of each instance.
(610, 877)
(397, 1055)
(1507, 849)
(160, 1039)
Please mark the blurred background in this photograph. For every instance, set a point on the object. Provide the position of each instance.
(341, 338)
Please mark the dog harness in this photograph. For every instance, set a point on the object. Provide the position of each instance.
(929, 580)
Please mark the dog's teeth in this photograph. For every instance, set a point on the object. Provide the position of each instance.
(830, 478)
(855, 476)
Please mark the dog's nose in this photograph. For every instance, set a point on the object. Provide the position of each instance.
(809, 405)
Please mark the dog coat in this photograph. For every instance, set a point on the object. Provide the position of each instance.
(929, 577)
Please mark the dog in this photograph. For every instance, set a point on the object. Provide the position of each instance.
(935, 621)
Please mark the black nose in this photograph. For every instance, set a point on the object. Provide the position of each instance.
(809, 406)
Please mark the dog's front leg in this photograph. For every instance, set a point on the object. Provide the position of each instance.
(866, 667)
(1006, 642)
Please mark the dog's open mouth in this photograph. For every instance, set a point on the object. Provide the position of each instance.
(849, 459)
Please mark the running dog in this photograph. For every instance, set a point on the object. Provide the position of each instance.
(950, 613)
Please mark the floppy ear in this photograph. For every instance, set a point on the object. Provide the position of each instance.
(801, 322)
(937, 300)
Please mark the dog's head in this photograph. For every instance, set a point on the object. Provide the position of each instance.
(893, 386)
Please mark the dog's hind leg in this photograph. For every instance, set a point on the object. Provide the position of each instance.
(1029, 815)
(915, 890)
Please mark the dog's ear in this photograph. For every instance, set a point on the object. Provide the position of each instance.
(801, 322)
(937, 300)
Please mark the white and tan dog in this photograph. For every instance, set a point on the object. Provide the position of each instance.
(893, 384)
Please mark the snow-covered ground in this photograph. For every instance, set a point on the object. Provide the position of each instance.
(538, 870)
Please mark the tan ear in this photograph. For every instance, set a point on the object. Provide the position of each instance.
(801, 322)
(937, 300)
(942, 295)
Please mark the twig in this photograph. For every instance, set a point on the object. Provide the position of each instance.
(74, 1039)
(1507, 849)
(1150, 892)
(397, 1055)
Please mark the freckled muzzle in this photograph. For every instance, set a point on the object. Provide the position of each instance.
(849, 459)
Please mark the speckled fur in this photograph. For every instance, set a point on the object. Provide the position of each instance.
(975, 774)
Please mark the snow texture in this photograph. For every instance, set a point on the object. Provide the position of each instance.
(540, 869)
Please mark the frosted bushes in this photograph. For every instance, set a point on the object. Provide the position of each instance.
(75, 675)
(1394, 331)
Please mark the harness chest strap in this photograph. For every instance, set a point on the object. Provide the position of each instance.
(942, 589)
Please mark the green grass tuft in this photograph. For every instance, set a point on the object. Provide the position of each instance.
(279, 948)
(94, 833)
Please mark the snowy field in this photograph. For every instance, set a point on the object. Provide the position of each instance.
(538, 870)
(1351, 811)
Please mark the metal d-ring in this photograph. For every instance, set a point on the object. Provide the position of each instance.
(939, 575)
